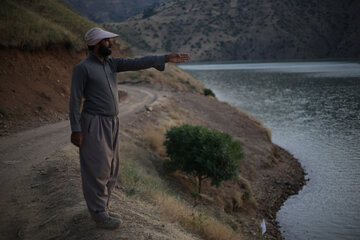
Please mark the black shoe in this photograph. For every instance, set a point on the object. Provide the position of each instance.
(114, 215)
(109, 223)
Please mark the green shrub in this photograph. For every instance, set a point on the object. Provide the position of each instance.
(208, 92)
(203, 152)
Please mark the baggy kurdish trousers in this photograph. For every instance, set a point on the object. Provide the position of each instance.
(99, 161)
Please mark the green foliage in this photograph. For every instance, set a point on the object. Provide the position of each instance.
(203, 152)
(209, 92)
(137, 182)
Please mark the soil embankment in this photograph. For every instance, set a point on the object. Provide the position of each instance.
(40, 179)
(35, 86)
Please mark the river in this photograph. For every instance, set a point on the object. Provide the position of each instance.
(313, 111)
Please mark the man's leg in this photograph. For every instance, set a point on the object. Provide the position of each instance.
(114, 164)
(96, 155)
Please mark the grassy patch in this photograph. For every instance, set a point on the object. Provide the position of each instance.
(194, 219)
(34, 24)
(154, 138)
(139, 184)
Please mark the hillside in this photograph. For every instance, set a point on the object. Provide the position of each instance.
(37, 24)
(40, 43)
(40, 177)
(111, 10)
(247, 30)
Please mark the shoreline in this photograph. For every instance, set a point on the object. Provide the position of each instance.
(289, 189)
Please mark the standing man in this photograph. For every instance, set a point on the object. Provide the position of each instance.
(95, 130)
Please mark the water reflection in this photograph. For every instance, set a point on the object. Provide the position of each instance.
(313, 110)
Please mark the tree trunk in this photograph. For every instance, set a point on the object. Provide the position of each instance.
(199, 187)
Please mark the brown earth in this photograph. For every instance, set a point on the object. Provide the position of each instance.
(34, 86)
(269, 173)
(40, 183)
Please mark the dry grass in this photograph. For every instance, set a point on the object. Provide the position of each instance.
(268, 133)
(259, 122)
(141, 185)
(35, 24)
(154, 134)
(251, 117)
(194, 220)
(154, 138)
(170, 205)
(137, 182)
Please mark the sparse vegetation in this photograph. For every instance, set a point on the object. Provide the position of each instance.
(139, 184)
(263, 22)
(154, 137)
(35, 24)
(149, 12)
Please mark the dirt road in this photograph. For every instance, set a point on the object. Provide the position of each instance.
(40, 187)
(24, 149)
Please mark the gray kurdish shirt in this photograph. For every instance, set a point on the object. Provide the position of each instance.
(96, 82)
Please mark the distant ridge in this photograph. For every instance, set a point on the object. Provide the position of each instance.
(247, 29)
(111, 10)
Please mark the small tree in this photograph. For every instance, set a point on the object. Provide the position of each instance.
(203, 152)
(208, 92)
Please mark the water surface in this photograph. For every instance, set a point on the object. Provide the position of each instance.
(313, 111)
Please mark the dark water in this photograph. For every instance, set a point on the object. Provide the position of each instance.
(313, 111)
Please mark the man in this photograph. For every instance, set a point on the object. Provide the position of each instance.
(95, 130)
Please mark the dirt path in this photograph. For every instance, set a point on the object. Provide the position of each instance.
(40, 187)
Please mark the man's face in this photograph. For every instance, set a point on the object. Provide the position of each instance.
(107, 42)
(104, 47)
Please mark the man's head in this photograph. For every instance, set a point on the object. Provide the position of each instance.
(99, 41)
(104, 47)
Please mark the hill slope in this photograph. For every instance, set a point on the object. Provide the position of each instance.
(247, 30)
(35, 24)
(111, 10)
(42, 195)
(41, 42)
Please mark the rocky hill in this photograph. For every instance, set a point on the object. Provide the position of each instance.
(112, 10)
(247, 30)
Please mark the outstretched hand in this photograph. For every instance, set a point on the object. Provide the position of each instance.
(177, 57)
